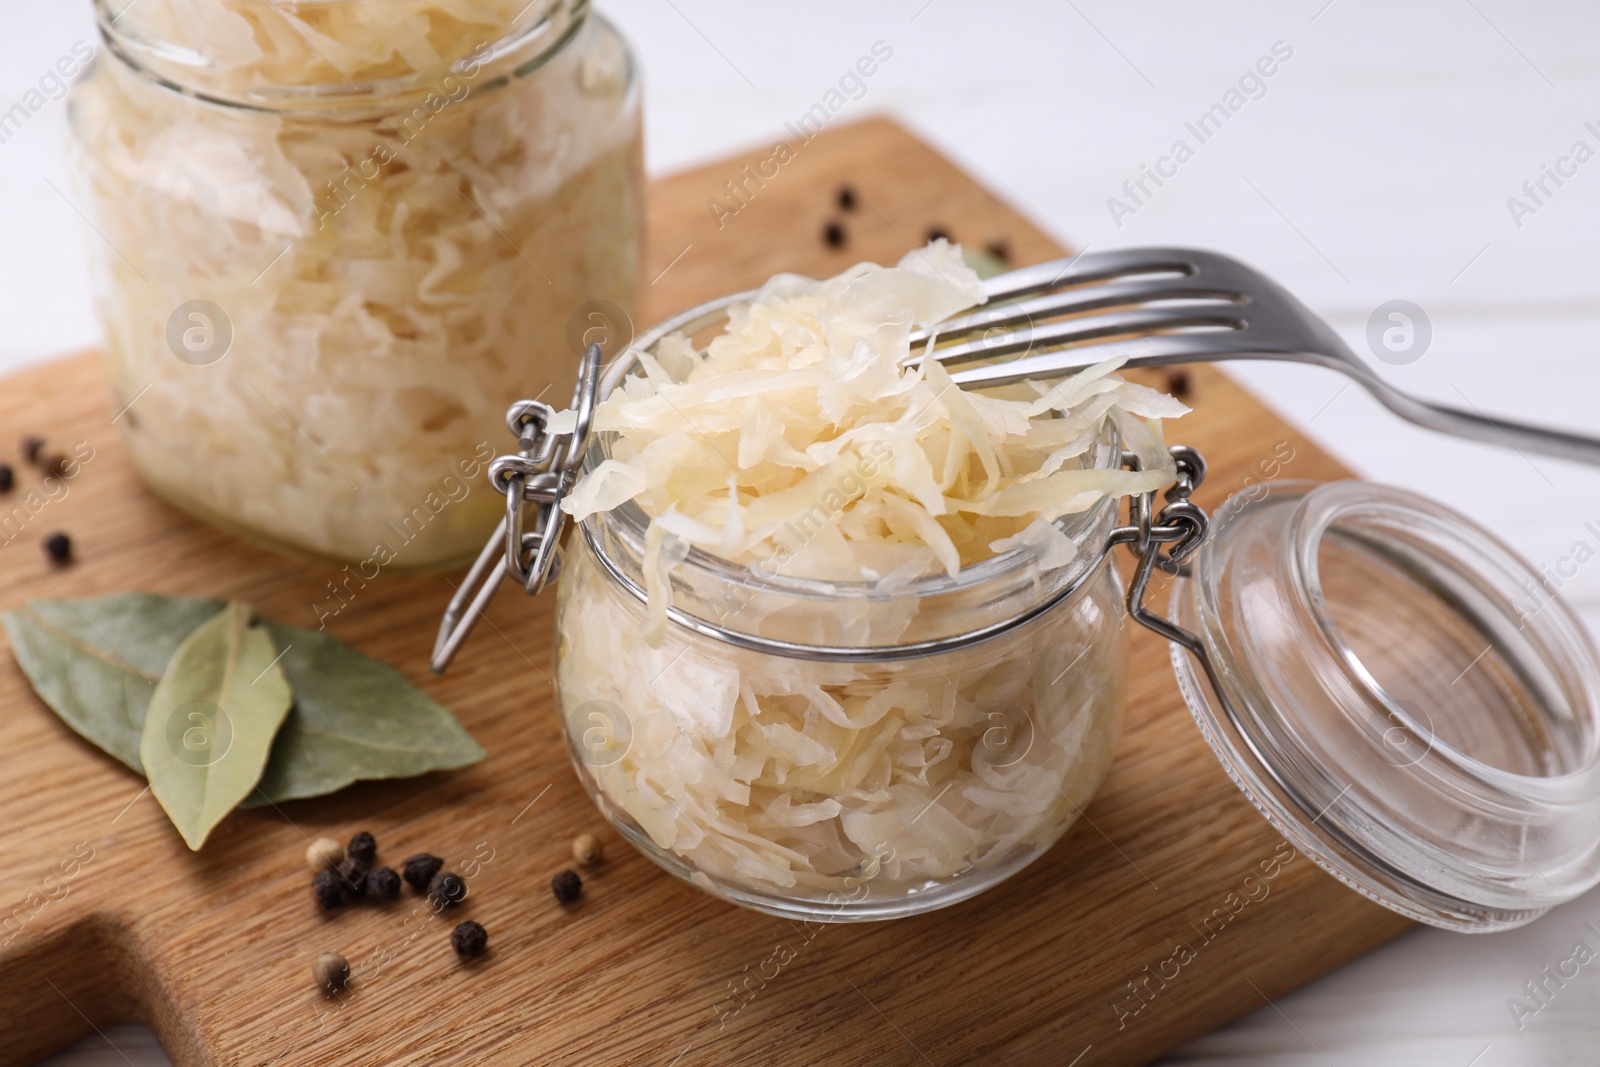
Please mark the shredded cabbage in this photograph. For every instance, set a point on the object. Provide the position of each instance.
(798, 445)
(394, 277)
(797, 440)
(780, 778)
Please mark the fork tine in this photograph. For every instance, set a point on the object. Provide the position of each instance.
(1070, 302)
(1088, 267)
(1096, 328)
(1160, 350)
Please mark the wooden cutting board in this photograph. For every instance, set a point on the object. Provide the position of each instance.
(1169, 909)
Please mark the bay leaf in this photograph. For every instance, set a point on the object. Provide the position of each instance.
(96, 662)
(354, 718)
(210, 724)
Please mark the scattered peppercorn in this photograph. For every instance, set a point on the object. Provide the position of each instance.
(331, 971)
(8, 478)
(588, 850)
(30, 448)
(847, 197)
(325, 890)
(567, 886)
(323, 854)
(469, 939)
(999, 248)
(353, 876)
(833, 234)
(1178, 383)
(447, 889)
(419, 870)
(58, 546)
(364, 847)
(53, 463)
(938, 233)
(383, 884)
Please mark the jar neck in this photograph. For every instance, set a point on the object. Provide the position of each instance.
(835, 620)
(335, 58)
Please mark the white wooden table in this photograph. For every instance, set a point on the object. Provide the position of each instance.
(1376, 163)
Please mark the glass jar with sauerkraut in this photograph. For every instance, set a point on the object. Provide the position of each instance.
(336, 239)
(831, 762)
(836, 638)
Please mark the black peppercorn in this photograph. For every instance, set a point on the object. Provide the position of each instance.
(353, 876)
(469, 939)
(383, 884)
(833, 234)
(938, 233)
(447, 890)
(325, 890)
(419, 870)
(847, 197)
(999, 248)
(53, 463)
(1178, 383)
(8, 478)
(58, 546)
(363, 847)
(567, 886)
(30, 448)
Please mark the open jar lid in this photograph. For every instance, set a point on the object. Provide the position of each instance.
(1405, 699)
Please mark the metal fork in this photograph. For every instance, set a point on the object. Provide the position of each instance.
(1163, 306)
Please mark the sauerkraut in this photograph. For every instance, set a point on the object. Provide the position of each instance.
(396, 209)
(773, 779)
(800, 443)
(800, 478)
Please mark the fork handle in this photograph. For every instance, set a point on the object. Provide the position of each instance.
(1521, 437)
(1178, 349)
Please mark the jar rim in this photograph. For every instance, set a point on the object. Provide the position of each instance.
(544, 29)
(631, 521)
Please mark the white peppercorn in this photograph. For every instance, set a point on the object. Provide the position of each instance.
(331, 971)
(588, 850)
(324, 853)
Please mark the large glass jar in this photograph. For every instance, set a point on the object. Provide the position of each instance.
(337, 239)
(813, 749)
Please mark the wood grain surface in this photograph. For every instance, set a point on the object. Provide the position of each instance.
(1076, 957)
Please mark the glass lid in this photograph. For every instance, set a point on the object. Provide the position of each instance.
(1402, 696)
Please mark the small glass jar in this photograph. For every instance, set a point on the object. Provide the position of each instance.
(806, 747)
(337, 239)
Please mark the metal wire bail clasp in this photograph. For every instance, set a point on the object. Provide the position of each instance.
(534, 479)
(1166, 539)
